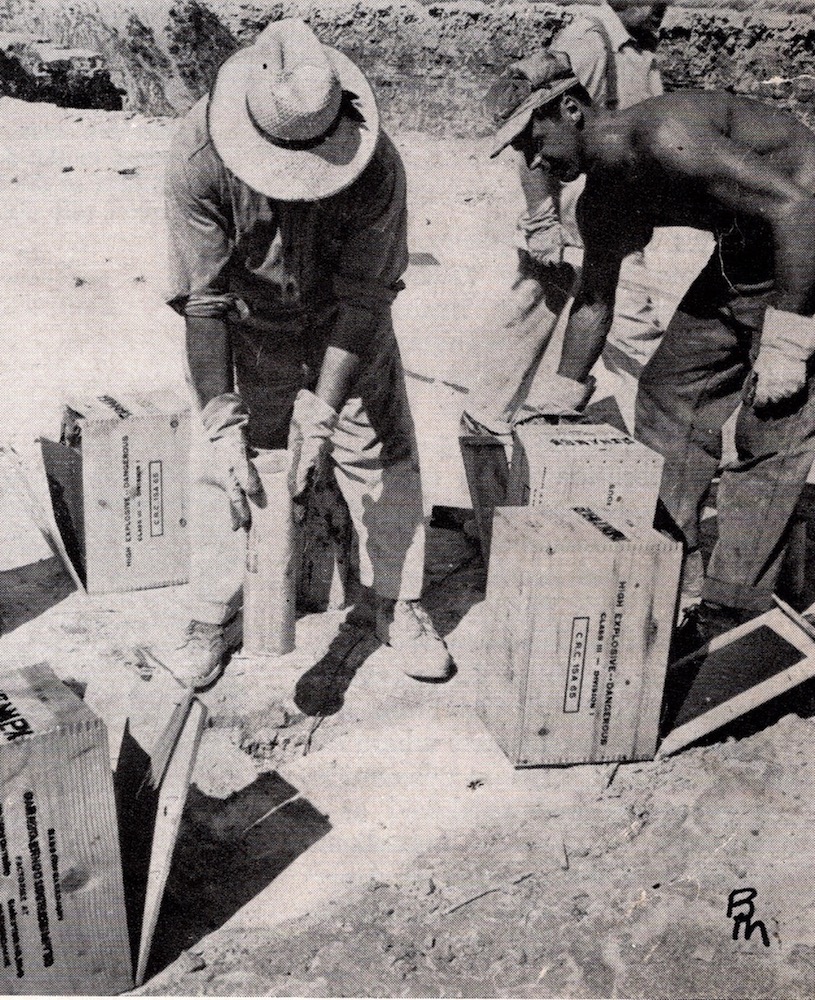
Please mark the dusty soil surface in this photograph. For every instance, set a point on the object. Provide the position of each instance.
(352, 832)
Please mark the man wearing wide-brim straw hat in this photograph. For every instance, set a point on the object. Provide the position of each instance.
(287, 221)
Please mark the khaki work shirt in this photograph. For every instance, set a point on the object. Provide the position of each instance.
(289, 262)
(587, 41)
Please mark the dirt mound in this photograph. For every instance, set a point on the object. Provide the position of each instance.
(430, 63)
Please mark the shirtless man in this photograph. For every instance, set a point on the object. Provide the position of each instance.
(745, 172)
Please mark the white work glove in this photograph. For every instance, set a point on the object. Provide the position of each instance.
(564, 398)
(548, 243)
(312, 424)
(225, 419)
(780, 370)
(475, 420)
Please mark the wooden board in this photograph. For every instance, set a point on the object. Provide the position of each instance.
(580, 612)
(732, 675)
(171, 800)
(63, 925)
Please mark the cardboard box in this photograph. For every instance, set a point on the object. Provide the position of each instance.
(118, 484)
(590, 464)
(63, 926)
(580, 610)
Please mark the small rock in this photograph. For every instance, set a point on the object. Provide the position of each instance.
(704, 953)
(67, 170)
(79, 282)
(14, 180)
(189, 962)
(127, 171)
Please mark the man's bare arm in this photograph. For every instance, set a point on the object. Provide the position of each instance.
(592, 312)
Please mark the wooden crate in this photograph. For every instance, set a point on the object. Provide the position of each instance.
(487, 470)
(593, 465)
(63, 927)
(580, 613)
(118, 484)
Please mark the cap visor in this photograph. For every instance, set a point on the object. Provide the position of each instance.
(511, 129)
(522, 116)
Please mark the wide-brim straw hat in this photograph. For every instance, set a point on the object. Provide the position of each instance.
(294, 119)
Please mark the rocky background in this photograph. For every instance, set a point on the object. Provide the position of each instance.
(429, 62)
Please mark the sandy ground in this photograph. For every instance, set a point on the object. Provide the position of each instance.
(371, 839)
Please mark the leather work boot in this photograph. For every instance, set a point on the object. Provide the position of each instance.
(199, 661)
(702, 623)
(406, 627)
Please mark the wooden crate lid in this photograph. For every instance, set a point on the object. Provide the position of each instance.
(105, 407)
(600, 437)
(575, 529)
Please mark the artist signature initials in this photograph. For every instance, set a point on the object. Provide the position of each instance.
(740, 909)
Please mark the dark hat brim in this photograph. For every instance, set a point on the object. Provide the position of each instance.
(522, 115)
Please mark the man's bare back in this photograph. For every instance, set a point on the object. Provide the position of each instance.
(693, 159)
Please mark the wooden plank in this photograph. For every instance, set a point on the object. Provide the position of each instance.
(159, 709)
(172, 797)
(17, 479)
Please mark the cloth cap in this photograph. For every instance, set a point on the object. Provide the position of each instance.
(294, 119)
(524, 87)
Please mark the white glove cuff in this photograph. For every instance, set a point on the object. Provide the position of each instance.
(566, 395)
(789, 333)
(224, 414)
(311, 411)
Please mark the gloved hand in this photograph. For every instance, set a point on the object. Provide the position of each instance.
(225, 419)
(564, 398)
(312, 424)
(780, 370)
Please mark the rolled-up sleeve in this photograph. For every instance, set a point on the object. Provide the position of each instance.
(582, 42)
(374, 254)
(199, 242)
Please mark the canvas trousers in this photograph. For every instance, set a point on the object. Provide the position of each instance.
(688, 390)
(373, 454)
